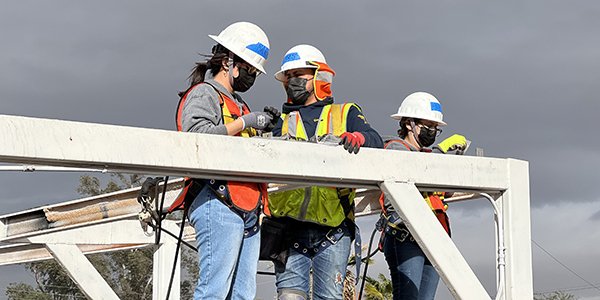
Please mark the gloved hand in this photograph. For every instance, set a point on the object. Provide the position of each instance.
(256, 120)
(352, 141)
(275, 115)
(455, 142)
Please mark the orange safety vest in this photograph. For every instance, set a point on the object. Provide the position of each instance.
(245, 196)
(435, 200)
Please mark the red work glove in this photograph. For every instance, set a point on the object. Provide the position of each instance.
(352, 141)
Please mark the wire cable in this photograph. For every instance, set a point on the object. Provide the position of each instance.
(369, 255)
(558, 261)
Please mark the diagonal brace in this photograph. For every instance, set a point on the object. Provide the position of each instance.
(433, 239)
(81, 270)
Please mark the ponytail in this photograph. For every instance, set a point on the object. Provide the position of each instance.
(199, 70)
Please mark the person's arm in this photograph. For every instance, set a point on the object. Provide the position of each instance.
(202, 112)
(357, 122)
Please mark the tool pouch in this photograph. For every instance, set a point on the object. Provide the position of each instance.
(274, 241)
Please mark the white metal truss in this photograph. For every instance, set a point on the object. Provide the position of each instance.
(399, 174)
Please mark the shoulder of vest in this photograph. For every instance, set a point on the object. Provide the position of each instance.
(344, 107)
(398, 141)
(350, 104)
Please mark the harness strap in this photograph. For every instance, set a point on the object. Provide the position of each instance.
(387, 226)
(331, 238)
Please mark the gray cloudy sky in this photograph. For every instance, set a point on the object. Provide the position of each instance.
(515, 77)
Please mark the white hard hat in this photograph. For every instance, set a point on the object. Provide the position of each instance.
(421, 105)
(247, 41)
(299, 57)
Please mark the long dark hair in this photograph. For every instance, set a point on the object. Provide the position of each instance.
(213, 64)
(403, 131)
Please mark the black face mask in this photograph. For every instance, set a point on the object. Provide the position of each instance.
(296, 90)
(244, 81)
(427, 136)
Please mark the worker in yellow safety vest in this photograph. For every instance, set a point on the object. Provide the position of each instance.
(413, 276)
(225, 213)
(320, 219)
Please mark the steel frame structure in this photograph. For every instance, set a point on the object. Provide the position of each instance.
(401, 175)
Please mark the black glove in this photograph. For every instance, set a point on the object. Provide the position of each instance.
(275, 114)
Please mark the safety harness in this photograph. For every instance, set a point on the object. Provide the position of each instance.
(332, 121)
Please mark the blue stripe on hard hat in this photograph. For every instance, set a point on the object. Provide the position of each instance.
(290, 57)
(259, 49)
(436, 106)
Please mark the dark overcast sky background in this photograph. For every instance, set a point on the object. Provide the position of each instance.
(517, 78)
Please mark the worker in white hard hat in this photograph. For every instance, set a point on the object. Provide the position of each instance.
(224, 213)
(413, 276)
(320, 220)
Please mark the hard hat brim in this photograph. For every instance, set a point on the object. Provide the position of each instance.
(280, 75)
(399, 117)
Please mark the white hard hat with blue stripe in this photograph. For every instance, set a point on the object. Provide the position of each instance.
(247, 41)
(299, 57)
(421, 105)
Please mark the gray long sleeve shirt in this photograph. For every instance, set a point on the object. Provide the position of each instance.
(202, 110)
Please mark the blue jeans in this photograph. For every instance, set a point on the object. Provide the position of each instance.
(329, 266)
(413, 276)
(227, 261)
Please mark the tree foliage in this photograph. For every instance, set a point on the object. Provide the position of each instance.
(127, 272)
(378, 289)
(556, 295)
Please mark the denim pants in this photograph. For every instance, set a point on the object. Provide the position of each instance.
(413, 276)
(329, 266)
(227, 261)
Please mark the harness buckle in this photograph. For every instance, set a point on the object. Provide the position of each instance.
(400, 233)
(331, 238)
(405, 234)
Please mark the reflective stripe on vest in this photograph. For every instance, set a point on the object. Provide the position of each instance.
(333, 120)
(314, 204)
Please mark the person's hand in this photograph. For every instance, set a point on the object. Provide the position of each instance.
(275, 115)
(256, 120)
(455, 142)
(352, 141)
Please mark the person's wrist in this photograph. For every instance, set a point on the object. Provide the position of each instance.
(243, 123)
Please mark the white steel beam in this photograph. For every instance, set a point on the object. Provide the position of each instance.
(164, 256)
(517, 224)
(147, 151)
(116, 232)
(25, 253)
(435, 242)
(81, 270)
(150, 151)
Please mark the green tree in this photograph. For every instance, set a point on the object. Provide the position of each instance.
(23, 291)
(378, 290)
(556, 295)
(128, 272)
